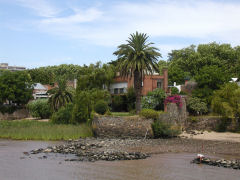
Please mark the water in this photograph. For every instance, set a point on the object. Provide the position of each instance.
(162, 166)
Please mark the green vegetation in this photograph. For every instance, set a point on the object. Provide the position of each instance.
(60, 95)
(101, 107)
(16, 90)
(121, 114)
(35, 130)
(164, 130)
(135, 59)
(226, 102)
(63, 115)
(196, 107)
(39, 108)
(174, 91)
(154, 99)
(150, 113)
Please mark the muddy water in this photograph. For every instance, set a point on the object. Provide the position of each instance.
(16, 166)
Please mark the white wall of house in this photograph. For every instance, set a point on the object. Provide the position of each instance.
(118, 87)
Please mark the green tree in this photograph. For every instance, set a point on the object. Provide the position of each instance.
(135, 59)
(60, 95)
(15, 87)
(226, 101)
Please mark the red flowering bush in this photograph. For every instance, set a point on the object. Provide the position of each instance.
(174, 99)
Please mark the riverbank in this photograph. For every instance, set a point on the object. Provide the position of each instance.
(94, 149)
(41, 130)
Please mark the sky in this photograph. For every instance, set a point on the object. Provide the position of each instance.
(36, 33)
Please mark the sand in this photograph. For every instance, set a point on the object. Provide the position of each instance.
(214, 136)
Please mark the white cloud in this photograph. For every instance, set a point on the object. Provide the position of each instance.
(204, 21)
(41, 7)
(191, 19)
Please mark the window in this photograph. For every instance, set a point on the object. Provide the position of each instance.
(115, 90)
(159, 84)
(121, 90)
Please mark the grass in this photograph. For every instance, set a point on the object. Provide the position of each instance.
(35, 130)
(121, 114)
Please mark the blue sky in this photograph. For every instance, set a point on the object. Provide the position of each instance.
(37, 33)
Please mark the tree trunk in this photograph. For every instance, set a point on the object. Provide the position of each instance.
(138, 89)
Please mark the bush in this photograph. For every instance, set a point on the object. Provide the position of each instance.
(174, 90)
(149, 113)
(131, 99)
(119, 103)
(39, 108)
(101, 107)
(196, 106)
(164, 130)
(157, 98)
(63, 115)
(82, 108)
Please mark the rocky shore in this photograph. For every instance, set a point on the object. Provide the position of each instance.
(91, 149)
(94, 149)
(235, 164)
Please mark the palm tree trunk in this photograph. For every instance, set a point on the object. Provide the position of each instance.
(138, 89)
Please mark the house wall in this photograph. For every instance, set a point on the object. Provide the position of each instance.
(149, 81)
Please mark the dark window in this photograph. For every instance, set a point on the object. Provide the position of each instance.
(115, 90)
(159, 84)
(121, 90)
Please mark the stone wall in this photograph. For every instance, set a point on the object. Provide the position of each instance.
(175, 115)
(18, 114)
(202, 123)
(122, 127)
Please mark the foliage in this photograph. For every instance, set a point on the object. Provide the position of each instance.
(60, 95)
(82, 107)
(15, 87)
(154, 99)
(119, 103)
(116, 114)
(226, 101)
(149, 102)
(136, 58)
(196, 106)
(36, 130)
(39, 108)
(174, 99)
(63, 115)
(149, 113)
(101, 107)
(164, 130)
(223, 124)
(131, 99)
(162, 64)
(174, 91)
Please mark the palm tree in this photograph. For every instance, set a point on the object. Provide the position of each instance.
(60, 95)
(135, 59)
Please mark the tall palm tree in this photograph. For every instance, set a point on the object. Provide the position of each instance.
(135, 59)
(60, 95)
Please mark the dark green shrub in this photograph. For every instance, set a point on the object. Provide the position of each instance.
(174, 90)
(101, 107)
(82, 108)
(196, 107)
(131, 99)
(39, 108)
(149, 113)
(119, 103)
(223, 124)
(63, 115)
(164, 130)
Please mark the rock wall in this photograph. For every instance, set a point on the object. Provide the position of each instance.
(122, 127)
(175, 115)
(18, 114)
(202, 123)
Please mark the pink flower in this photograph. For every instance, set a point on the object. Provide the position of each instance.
(174, 99)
